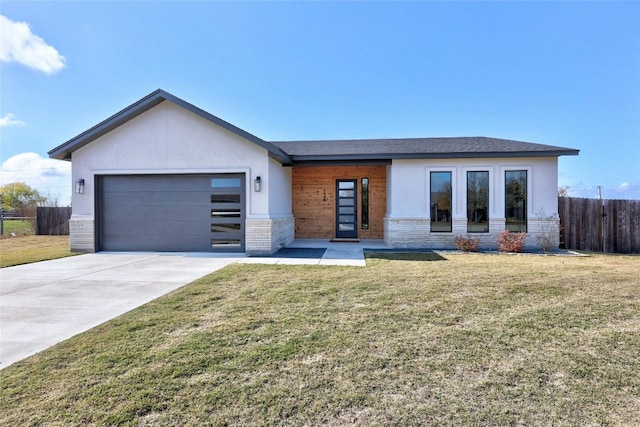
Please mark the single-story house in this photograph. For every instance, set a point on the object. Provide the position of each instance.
(164, 175)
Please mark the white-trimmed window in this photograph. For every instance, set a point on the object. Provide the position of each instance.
(478, 185)
(515, 200)
(441, 200)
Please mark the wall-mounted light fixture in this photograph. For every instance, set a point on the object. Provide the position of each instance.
(80, 186)
(257, 184)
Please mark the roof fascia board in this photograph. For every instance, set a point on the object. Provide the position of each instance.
(375, 162)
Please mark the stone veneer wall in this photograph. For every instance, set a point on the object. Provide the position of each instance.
(82, 234)
(266, 236)
(415, 233)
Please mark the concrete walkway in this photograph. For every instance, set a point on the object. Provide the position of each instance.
(337, 253)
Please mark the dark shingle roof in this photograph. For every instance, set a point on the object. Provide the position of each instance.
(416, 148)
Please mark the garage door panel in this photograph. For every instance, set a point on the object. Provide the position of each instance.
(136, 183)
(171, 213)
(156, 198)
(149, 227)
(160, 244)
(167, 213)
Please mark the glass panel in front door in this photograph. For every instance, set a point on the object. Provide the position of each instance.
(346, 208)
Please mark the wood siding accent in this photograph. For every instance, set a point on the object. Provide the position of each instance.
(314, 199)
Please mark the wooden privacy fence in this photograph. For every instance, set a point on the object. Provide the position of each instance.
(53, 221)
(599, 225)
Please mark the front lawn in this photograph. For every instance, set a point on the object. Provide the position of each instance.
(25, 249)
(420, 339)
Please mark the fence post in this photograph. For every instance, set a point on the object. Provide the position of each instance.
(604, 217)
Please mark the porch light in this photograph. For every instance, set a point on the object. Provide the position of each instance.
(257, 183)
(80, 186)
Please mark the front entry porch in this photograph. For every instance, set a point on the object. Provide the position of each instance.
(328, 253)
(332, 202)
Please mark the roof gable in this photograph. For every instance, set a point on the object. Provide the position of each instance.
(63, 151)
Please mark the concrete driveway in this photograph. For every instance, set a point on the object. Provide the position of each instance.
(47, 302)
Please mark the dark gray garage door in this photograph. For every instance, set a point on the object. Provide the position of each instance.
(171, 213)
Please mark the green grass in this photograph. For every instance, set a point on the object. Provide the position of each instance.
(411, 339)
(26, 249)
(18, 227)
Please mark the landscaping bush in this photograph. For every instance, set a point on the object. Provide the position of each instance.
(511, 242)
(549, 230)
(467, 244)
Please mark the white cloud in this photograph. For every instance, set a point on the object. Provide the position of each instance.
(626, 191)
(19, 44)
(52, 178)
(623, 186)
(8, 120)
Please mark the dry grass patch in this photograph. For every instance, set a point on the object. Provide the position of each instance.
(26, 249)
(411, 339)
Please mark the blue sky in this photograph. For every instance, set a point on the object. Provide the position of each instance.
(558, 73)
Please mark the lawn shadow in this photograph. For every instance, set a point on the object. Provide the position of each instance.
(403, 255)
(298, 253)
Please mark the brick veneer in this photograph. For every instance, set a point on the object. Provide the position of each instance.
(266, 236)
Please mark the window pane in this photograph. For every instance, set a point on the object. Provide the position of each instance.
(225, 228)
(515, 194)
(346, 202)
(346, 185)
(225, 243)
(347, 210)
(440, 201)
(225, 213)
(225, 198)
(365, 204)
(225, 182)
(478, 202)
(346, 193)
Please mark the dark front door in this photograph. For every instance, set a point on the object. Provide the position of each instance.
(346, 209)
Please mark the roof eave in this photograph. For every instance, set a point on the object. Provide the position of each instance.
(64, 151)
(297, 159)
